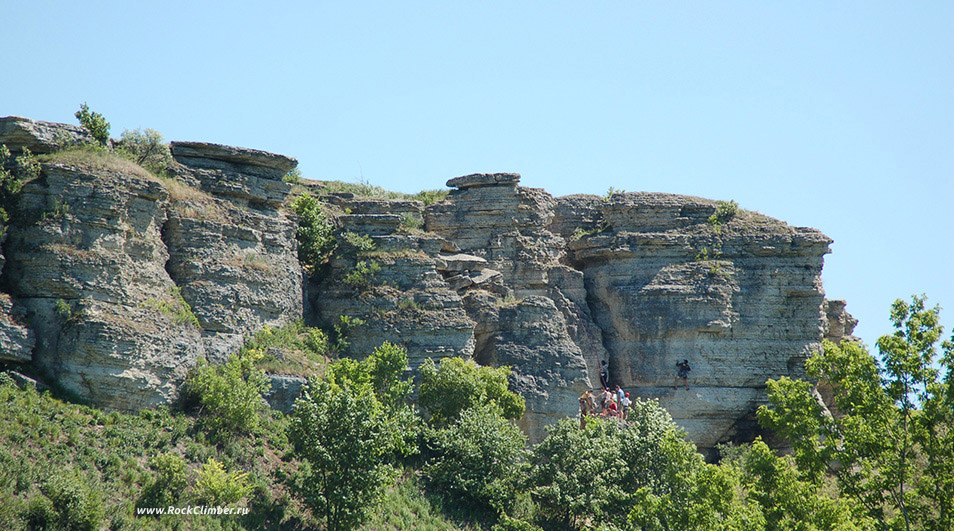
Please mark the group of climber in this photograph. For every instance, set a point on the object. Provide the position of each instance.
(616, 403)
(607, 403)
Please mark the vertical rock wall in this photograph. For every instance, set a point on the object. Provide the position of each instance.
(406, 302)
(85, 258)
(541, 325)
(740, 300)
(106, 264)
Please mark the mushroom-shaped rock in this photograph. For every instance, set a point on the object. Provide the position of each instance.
(484, 179)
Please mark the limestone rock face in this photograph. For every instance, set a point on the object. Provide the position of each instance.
(740, 300)
(119, 281)
(85, 258)
(839, 324)
(246, 177)
(404, 301)
(490, 217)
(548, 368)
(39, 137)
(232, 251)
(16, 340)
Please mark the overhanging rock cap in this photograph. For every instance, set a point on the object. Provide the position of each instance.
(191, 151)
(484, 179)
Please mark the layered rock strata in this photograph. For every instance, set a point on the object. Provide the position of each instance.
(125, 280)
(739, 299)
(86, 259)
(119, 282)
(539, 322)
(232, 249)
(386, 272)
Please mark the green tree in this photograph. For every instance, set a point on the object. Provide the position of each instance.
(460, 384)
(10, 186)
(315, 237)
(889, 443)
(477, 460)
(348, 428)
(577, 475)
(93, 122)
(147, 149)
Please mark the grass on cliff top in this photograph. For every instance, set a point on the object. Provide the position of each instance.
(370, 191)
(90, 158)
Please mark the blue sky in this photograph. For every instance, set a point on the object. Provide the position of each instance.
(835, 115)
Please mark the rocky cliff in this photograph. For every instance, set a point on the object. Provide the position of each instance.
(117, 282)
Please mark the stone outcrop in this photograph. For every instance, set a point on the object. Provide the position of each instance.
(39, 137)
(401, 296)
(85, 258)
(548, 336)
(123, 280)
(16, 340)
(118, 282)
(232, 250)
(740, 300)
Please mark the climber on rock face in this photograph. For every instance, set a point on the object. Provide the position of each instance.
(682, 374)
(604, 375)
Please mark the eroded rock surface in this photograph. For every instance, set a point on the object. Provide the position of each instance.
(119, 281)
(86, 259)
(739, 299)
(400, 296)
(18, 133)
(106, 265)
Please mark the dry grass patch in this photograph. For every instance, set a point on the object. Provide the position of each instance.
(91, 158)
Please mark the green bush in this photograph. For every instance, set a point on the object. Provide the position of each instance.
(429, 197)
(63, 310)
(167, 484)
(460, 384)
(40, 513)
(316, 240)
(93, 122)
(293, 176)
(477, 461)
(411, 222)
(362, 275)
(724, 212)
(231, 394)
(217, 487)
(147, 149)
(317, 341)
(174, 306)
(361, 243)
(77, 506)
(342, 329)
(10, 186)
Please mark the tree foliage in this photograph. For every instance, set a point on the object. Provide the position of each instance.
(93, 122)
(348, 427)
(890, 441)
(316, 240)
(230, 395)
(477, 460)
(459, 384)
(25, 168)
(147, 149)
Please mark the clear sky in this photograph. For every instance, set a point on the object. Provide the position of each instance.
(835, 115)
